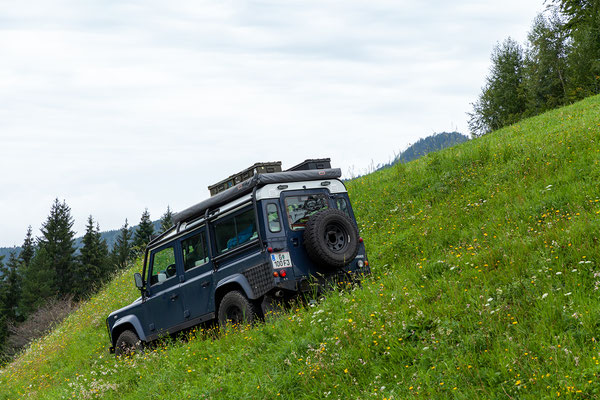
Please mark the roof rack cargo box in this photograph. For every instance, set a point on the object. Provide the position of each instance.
(258, 168)
(245, 187)
(319, 163)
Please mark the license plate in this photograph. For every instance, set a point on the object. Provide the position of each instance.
(281, 260)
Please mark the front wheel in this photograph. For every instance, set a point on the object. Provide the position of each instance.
(235, 308)
(127, 343)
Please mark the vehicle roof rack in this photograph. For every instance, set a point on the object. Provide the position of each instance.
(258, 168)
(312, 163)
(248, 185)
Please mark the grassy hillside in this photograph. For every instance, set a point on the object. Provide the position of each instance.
(486, 285)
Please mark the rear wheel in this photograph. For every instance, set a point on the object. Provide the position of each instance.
(127, 343)
(235, 308)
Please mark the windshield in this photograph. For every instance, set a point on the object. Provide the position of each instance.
(300, 208)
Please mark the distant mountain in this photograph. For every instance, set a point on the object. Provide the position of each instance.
(109, 236)
(430, 144)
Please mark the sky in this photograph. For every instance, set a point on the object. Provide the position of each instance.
(118, 106)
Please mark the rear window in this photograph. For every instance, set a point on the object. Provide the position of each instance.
(300, 208)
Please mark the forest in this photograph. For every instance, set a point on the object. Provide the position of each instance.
(42, 281)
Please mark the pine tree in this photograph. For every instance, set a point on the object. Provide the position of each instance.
(10, 287)
(51, 269)
(144, 232)
(121, 252)
(38, 282)
(3, 313)
(92, 264)
(166, 221)
(58, 241)
(28, 248)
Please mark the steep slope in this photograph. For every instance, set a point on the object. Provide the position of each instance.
(486, 285)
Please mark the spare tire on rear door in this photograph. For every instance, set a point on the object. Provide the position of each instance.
(331, 238)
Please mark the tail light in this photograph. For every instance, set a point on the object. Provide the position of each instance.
(360, 240)
(282, 273)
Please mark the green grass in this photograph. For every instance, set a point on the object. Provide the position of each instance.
(486, 284)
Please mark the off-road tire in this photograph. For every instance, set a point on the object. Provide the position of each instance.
(127, 343)
(331, 238)
(235, 308)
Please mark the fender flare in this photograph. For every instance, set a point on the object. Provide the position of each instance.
(241, 281)
(132, 320)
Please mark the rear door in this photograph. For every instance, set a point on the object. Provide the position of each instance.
(298, 207)
(197, 286)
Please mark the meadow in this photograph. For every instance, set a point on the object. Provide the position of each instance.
(485, 285)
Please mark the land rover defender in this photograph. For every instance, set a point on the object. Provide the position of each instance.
(257, 241)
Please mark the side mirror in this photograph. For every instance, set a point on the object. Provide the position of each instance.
(139, 283)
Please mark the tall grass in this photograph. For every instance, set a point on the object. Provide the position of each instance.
(486, 285)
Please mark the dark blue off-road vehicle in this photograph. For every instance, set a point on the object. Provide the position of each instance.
(267, 238)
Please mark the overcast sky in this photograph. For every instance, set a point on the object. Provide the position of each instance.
(115, 106)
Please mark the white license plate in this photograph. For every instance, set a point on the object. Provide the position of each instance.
(281, 260)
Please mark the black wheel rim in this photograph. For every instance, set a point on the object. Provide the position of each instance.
(234, 314)
(336, 237)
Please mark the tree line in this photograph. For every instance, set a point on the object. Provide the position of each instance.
(49, 269)
(559, 64)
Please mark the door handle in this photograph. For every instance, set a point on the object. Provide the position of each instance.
(295, 242)
(174, 296)
(205, 284)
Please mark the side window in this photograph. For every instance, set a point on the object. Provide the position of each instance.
(163, 265)
(273, 218)
(342, 205)
(234, 231)
(194, 251)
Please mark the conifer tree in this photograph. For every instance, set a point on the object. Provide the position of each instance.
(38, 282)
(166, 221)
(10, 287)
(92, 264)
(28, 248)
(58, 241)
(121, 252)
(3, 318)
(50, 272)
(144, 232)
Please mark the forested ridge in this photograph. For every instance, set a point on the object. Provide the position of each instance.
(559, 64)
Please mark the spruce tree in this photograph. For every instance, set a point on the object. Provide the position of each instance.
(38, 282)
(3, 311)
(121, 252)
(144, 232)
(51, 269)
(166, 221)
(28, 248)
(10, 287)
(92, 264)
